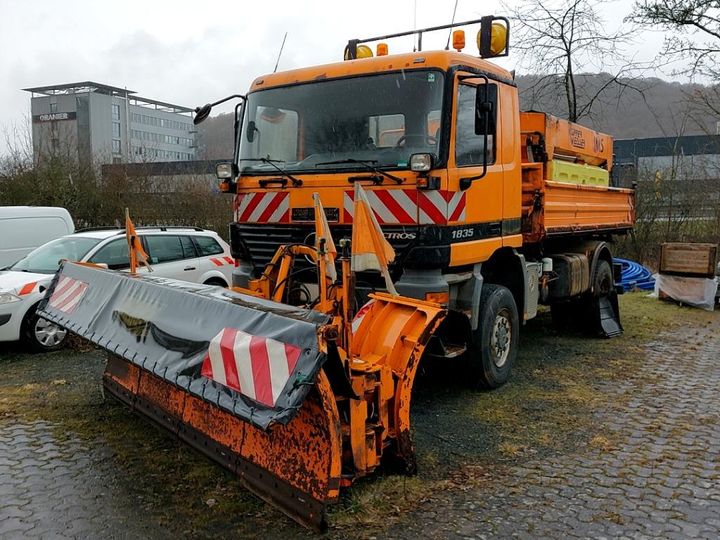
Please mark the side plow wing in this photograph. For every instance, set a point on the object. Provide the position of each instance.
(237, 377)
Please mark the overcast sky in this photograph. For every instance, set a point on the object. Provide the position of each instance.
(190, 52)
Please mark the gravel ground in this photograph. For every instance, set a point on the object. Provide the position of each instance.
(589, 439)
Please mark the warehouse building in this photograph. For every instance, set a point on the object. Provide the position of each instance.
(109, 124)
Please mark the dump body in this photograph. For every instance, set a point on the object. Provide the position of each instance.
(566, 181)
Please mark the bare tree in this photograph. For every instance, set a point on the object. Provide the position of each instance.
(693, 28)
(559, 40)
(692, 45)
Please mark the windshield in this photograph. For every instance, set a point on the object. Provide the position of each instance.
(378, 119)
(46, 258)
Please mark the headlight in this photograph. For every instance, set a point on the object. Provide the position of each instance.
(8, 298)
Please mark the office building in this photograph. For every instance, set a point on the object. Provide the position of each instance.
(108, 124)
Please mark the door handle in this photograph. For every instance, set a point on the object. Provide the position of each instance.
(188, 268)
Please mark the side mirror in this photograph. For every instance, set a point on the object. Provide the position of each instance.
(493, 39)
(201, 113)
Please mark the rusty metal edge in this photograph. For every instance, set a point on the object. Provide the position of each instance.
(299, 506)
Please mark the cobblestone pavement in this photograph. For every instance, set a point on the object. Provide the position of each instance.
(657, 477)
(53, 488)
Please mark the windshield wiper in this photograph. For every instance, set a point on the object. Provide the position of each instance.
(367, 164)
(296, 181)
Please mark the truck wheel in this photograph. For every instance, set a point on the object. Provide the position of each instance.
(602, 281)
(494, 343)
(41, 335)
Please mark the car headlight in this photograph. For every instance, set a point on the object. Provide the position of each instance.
(8, 298)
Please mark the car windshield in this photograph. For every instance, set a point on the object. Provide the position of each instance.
(46, 258)
(377, 119)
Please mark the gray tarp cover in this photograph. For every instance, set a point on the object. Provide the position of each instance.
(165, 327)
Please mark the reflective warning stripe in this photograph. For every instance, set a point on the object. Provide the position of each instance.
(255, 366)
(360, 315)
(68, 294)
(221, 262)
(410, 206)
(27, 288)
(263, 207)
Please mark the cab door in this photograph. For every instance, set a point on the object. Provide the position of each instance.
(479, 233)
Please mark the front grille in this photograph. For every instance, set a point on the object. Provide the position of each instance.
(259, 242)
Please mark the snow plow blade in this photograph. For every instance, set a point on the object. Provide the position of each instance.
(237, 377)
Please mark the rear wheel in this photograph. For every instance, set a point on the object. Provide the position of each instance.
(494, 343)
(42, 335)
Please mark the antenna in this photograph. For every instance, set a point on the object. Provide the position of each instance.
(282, 46)
(415, 25)
(447, 45)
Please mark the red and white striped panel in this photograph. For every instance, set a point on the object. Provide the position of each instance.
(360, 315)
(255, 366)
(436, 206)
(67, 294)
(221, 261)
(410, 206)
(263, 207)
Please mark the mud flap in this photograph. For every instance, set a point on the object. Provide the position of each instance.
(237, 377)
(608, 315)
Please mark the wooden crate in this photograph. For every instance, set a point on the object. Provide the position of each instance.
(688, 259)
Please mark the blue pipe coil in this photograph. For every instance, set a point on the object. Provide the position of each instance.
(635, 276)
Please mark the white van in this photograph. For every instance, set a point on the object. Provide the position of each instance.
(23, 228)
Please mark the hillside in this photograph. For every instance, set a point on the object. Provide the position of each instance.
(639, 108)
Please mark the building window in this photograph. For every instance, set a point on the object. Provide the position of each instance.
(53, 107)
(116, 130)
(116, 146)
(115, 111)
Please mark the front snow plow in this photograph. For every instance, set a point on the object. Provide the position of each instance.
(297, 401)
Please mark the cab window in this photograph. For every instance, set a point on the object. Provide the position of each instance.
(469, 147)
(114, 254)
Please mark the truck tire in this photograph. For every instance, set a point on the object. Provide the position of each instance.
(40, 335)
(602, 280)
(494, 344)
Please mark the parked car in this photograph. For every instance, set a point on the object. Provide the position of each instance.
(188, 254)
(23, 228)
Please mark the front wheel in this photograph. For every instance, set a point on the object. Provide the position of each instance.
(41, 335)
(494, 344)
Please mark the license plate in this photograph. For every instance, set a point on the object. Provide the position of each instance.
(308, 214)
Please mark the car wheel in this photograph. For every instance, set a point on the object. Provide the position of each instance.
(495, 342)
(42, 335)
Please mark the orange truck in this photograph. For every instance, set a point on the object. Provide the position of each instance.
(299, 379)
(491, 211)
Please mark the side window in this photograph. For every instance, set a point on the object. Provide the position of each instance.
(188, 247)
(207, 245)
(164, 248)
(469, 146)
(114, 254)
